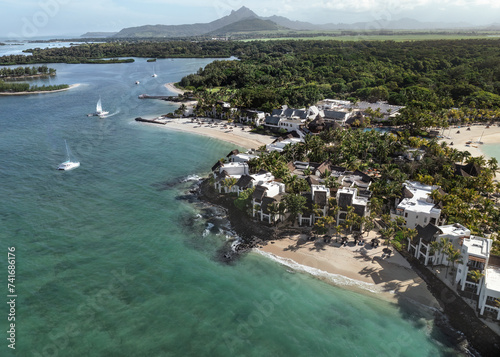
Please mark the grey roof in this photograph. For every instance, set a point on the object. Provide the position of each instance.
(259, 193)
(272, 120)
(406, 193)
(233, 152)
(244, 181)
(427, 233)
(345, 199)
(320, 198)
(335, 114)
(359, 209)
(216, 166)
(364, 177)
(266, 201)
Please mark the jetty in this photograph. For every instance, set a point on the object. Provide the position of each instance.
(159, 120)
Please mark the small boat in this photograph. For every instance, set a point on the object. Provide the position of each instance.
(154, 75)
(98, 110)
(137, 82)
(68, 164)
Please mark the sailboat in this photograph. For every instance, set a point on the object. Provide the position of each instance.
(68, 164)
(154, 74)
(98, 110)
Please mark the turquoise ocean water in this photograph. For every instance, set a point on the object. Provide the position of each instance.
(110, 262)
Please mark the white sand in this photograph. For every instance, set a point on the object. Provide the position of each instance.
(239, 135)
(71, 86)
(489, 135)
(367, 268)
(172, 88)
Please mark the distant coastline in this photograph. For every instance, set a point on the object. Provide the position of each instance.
(71, 86)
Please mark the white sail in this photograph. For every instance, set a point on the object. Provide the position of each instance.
(99, 106)
(68, 164)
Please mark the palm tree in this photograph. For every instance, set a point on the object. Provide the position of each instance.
(475, 275)
(444, 246)
(387, 234)
(454, 256)
(434, 248)
(273, 210)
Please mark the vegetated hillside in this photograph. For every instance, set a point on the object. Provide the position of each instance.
(248, 25)
(186, 30)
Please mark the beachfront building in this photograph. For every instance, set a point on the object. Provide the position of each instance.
(485, 283)
(263, 196)
(236, 156)
(489, 297)
(255, 117)
(280, 143)
(348, 197)
(421, 245)
(316, 205)
(416, 205)
(226, 175)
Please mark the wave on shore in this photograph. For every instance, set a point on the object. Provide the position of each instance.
(335, 279)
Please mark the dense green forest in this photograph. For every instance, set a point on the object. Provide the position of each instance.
(26, 72)
(428, 77)
(25, 87)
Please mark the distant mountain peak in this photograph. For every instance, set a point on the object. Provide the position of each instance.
(243, 12)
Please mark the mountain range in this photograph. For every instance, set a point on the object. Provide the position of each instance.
(245, 20)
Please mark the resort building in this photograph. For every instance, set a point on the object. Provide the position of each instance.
(416, 205)
(316, 206)
(279, 145)
(348, 197)
(225, 173)
(263, 196)
(255, 117)
(476, 257)
(236, 156)
(421, 245)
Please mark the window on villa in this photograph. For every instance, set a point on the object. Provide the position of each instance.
(406, 215)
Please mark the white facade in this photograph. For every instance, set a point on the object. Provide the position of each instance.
(279, 146)
(291, 124)
(419, 209)
(475, 256)
(262, 178)
(235, 169)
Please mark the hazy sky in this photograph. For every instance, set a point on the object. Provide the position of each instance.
(30, 18)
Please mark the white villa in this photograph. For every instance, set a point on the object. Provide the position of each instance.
(417, 206)
(420, 246)
(475, 252)
(476, 256)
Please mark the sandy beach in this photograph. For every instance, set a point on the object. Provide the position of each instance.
(71, 86)
(460, 135)
(172, 88)
(239, 135)
(360, 268)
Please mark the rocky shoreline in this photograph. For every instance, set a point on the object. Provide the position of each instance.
(458, 320)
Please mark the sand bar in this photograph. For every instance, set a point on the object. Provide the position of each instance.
(71, 86)
(366, 268)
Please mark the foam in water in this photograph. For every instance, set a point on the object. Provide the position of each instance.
(336, 279)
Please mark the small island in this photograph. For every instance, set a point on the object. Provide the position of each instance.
(21, 73)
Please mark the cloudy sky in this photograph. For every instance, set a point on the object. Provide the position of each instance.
(29, 18)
